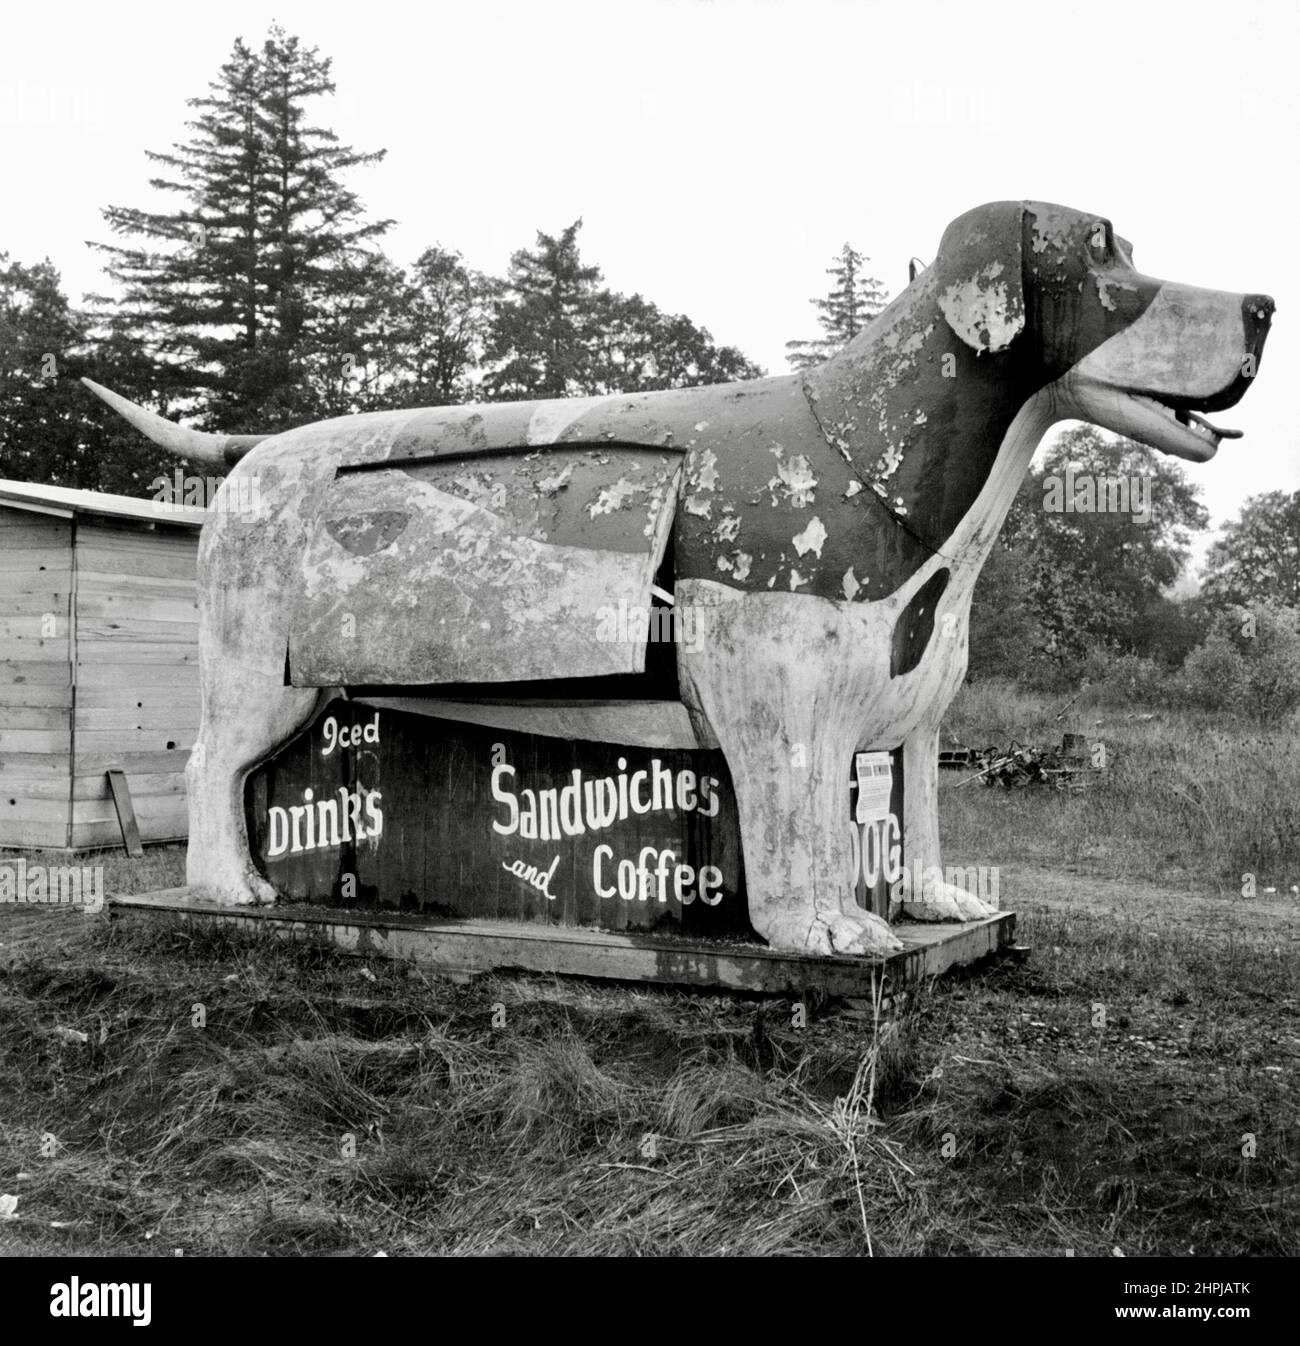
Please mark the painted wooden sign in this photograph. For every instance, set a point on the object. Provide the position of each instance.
(376, 808)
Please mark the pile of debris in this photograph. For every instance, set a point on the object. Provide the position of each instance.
(1071, 766)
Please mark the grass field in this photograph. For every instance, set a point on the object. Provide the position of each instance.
(1131, 1086)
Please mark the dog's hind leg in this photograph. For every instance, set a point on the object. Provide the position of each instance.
(245, 716)
(248, 569)
(927, 897)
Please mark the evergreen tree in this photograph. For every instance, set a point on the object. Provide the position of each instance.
(853, 300)
(229, 291)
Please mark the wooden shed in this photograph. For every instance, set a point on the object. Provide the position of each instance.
(98, 664)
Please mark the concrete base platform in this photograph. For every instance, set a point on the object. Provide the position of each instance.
(463, 947)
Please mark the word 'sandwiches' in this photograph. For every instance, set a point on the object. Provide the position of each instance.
(826, 528)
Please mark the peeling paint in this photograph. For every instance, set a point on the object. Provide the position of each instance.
(850, 584)
(614, 497)
(728, 527)
(794, 480)
(982, 312)
(1105, 285)
(550, 485)
(811, 539)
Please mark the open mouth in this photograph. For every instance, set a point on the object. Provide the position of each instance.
(1194, 422)
(1194, 435)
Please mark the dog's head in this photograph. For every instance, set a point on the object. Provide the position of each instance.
(1056, 289)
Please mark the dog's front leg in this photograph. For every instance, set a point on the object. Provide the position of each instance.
(787, 724)
(926, 896)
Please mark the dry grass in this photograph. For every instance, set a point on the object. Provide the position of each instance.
(1132, 1086)
(319, 1111)
(1192, 800)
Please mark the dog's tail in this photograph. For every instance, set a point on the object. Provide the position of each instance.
(196, 445)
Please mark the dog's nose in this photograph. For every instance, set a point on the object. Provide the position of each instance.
(1256, 314)
(1257, 309)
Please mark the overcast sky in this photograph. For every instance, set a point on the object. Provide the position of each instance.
(720, 153)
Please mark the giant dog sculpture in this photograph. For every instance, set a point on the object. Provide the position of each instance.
(826, 530)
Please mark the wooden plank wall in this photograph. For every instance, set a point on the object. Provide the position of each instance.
(35, 677)
(137, 688)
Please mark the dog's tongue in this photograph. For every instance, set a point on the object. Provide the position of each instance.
(1209, 425)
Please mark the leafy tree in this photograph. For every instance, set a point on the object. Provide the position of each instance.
(1168, 629)
(440, 325)
(555, 332)
(234, 291)
(1250, 662)
(636, 347)
(355, 356)
(1098, 571)
(50, 429)
(1006, 632)
(1257, 560)
(38, 331)
(853, 300)
(539, 332)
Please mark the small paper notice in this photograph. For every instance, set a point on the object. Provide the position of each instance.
(875, 773)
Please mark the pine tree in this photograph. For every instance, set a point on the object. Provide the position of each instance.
(228, 291)
(853, 300)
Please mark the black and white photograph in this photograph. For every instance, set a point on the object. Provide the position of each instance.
(666, 629)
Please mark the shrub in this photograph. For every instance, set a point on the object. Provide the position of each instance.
(1250, 662)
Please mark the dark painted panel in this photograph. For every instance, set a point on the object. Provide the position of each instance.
(445, 809)
(422, 796)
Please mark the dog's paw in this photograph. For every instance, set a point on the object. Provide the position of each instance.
(249, 890)
(831, 932)
(946, 902)
(859, 932)
(260, 892)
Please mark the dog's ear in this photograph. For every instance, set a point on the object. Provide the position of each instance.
(979, 275)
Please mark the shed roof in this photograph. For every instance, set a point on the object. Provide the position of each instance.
(67, 501)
